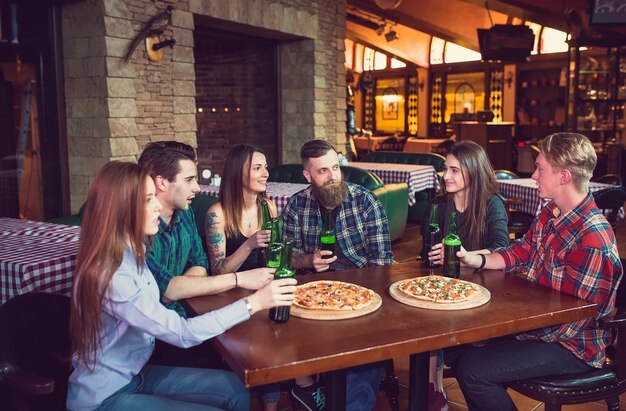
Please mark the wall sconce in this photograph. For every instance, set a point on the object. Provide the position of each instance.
(421, 85)
(509, 79)
(381, 27)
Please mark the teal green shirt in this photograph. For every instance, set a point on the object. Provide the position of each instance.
(176, 248)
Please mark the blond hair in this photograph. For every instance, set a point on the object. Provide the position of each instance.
(573, 152)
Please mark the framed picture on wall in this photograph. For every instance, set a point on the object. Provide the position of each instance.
(390, 104)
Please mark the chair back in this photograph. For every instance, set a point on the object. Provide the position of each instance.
(426, 159)
(612, 179)
(35, 339)
(287, 173)
(361, 177)
(610, 198)
(619, 349)
(505, 175)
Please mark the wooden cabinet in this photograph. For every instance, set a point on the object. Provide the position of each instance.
(495, 138)
(540, 102)
(597, 93)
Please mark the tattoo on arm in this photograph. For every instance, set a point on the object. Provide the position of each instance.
(215, 242)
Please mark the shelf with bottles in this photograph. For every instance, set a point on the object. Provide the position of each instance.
(597, 92)
(540, 101)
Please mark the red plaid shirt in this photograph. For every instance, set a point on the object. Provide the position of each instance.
(574, 253)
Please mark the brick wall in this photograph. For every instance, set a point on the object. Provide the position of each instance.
(236, 88)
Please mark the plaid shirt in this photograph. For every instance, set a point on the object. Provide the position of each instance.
(174, 250)
(576, 254)
(361, 226)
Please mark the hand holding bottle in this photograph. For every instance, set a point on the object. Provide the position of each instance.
(276, 293)
(260, 239)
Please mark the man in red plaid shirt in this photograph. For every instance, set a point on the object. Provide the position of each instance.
(570, 248)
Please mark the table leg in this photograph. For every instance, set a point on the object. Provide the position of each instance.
(336, 389)
(418, 381)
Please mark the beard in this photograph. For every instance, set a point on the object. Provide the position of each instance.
(331, 194)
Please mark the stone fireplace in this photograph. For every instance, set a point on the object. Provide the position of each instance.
(114, 109)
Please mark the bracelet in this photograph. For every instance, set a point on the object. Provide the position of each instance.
(483, 262)
(237, 280)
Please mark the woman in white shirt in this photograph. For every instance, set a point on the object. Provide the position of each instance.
(116, 313)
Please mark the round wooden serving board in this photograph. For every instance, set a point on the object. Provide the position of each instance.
(336, 315)
(481, 298)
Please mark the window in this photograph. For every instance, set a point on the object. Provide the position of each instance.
(553, 41)
(455, 53)
(437, 46)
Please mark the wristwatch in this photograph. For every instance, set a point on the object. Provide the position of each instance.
(248, 306)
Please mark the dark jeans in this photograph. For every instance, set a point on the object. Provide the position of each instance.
(482, 372)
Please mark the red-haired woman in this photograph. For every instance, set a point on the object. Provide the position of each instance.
(116, 313)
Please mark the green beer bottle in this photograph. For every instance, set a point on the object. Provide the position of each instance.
(327, 234)
(451, 245)
(281, 314)
(265, 215)
(274, 248)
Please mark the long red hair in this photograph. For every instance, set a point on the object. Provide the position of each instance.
(114, 217)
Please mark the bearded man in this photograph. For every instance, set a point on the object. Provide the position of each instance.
(361, 226)
(362, 235)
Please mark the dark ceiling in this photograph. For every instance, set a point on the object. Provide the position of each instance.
(457, 20)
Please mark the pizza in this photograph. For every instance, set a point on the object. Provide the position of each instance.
(333, 296)
(438, 289)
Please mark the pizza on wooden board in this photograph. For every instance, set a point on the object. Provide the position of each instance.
(333, 296)
(438, 289)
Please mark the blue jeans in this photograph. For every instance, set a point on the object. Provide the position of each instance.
(482, 372)
(362, 385)
(158, 388)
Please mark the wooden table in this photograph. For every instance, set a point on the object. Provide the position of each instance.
(261, 352)
(422, 145)
(361, 142)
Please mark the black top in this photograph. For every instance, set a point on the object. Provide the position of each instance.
(254, 260)
(496, 235)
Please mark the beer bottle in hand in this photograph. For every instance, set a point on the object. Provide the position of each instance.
(451, 245)
(281, 314)
(274, 248)
(266, 224)
(433, 235)
(327, 234)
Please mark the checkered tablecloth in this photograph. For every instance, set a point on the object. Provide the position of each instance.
(36, 256)
(417, 177)
(526, 190)
(279, 193)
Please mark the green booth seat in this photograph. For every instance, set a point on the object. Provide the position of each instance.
(393, 197)
(422, 198)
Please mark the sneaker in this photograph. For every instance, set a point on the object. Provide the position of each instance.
(437, 401)
(312, 398)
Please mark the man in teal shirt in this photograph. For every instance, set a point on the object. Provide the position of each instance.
(177, 259)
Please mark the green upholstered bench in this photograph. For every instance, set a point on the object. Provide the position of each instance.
(422, 198)
(393, 197)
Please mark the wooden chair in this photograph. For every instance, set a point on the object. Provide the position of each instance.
(35, 351)
(610, 200)
(606, 383)
(612, 179)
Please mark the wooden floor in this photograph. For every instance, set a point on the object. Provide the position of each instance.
(406, 248)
